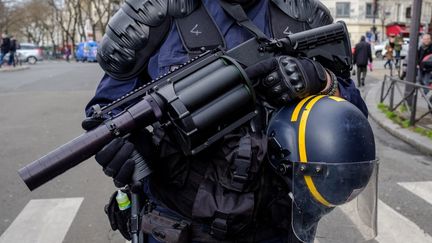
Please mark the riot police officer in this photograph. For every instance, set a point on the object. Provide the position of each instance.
(227, 192)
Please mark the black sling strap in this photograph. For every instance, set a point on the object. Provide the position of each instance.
(199, 32)
(238, 14)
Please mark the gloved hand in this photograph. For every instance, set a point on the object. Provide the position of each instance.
(119, 219)
(285, 78)
(115, 158)
(116, 162)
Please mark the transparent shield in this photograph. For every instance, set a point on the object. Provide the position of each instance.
(335, 202)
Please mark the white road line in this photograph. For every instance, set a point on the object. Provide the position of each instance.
(43, 221)
(422, 189)
(395, 228)
(366, 229)
(392, 226)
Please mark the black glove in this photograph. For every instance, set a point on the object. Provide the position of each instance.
(119, 219)
(116, 162)
(284, 78)
(115, 158)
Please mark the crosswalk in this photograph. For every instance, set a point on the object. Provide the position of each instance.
(393, 227)
(48, 221)
(43, 220)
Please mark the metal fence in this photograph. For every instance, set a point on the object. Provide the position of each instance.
(396, 93)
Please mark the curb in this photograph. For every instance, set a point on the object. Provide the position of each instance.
(418, 141)
(15, 69)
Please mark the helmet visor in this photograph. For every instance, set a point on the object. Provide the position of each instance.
(334, 202)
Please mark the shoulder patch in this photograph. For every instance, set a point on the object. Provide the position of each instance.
(182, 8)
(311, 11)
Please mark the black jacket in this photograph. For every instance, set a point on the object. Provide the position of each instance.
(13, 45)
(362, 53)
(5, 46)
(422, 52)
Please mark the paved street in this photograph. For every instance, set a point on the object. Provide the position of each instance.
(41, 108)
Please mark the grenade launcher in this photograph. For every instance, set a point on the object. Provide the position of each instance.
(203, 99)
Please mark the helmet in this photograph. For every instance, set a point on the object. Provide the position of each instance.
(323, 147)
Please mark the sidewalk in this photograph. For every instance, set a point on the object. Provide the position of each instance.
(372, 98)
(5, 69)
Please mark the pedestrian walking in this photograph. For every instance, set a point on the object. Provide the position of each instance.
(398, 48)
(12, 52)
(362, 56)
(5, 47)
(389, 55)
(67, 53)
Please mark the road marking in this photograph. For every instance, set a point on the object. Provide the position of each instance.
(392, 226)
(422, 189)
(395, 228)
(43, 221)
(366, 229)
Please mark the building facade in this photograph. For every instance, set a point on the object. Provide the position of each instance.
(359, 15)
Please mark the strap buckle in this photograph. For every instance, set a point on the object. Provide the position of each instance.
(241, 172)
(219, 227)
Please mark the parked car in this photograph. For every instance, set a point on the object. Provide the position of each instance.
(30, 53)
(378, 48)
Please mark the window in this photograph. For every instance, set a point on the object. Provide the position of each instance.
(408, 13)
(369, 10)
(343, 9)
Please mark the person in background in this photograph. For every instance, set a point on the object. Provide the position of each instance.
(67, 53)
(424, 70)
(12, 51)
(362, 56)
(389, 54)
(398, 48)
(5, 46)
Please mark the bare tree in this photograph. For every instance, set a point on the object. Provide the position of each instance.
(56, 22)
(10, 16)
(104, 10)
(33, 24)
(81, 19)
(67, 18)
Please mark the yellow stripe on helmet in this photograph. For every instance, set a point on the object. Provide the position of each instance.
(302, 150)
(338, 99)
(297, 110)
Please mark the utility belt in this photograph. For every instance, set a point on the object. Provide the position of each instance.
(171, 229)
(165, 228)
